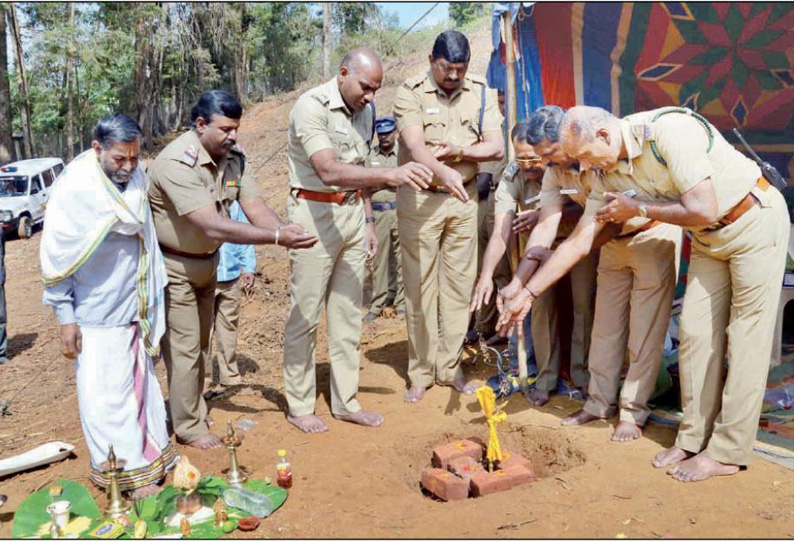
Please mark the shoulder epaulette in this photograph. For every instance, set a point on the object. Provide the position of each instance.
(477, 79)
(190, 156)
(415, 81)
(509, 172)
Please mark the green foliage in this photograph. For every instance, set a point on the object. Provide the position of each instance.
(32, 513)
(462, 13)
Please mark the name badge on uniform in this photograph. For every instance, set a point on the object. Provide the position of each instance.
(432, 110)
(233, 183)
(376, 164)
(530, 201)
(569, 191)
(340, 130)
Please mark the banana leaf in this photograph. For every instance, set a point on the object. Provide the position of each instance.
(32, 513)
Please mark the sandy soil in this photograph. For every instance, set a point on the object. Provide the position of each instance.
(358, 482)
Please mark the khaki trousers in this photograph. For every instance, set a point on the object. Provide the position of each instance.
(328, 275)
(189, 304)
(386, 268)
(438, 237)
(545, 327)
(636, 284)
(730, 307)
(486, 317)
(227, 318)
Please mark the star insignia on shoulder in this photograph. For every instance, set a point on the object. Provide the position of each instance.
(190, 156)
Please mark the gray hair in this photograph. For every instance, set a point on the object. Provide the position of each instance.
(582, 122)
(544, 124)
(116, 128)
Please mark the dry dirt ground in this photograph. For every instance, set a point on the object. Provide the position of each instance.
(358, 482)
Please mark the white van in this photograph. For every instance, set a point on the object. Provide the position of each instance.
(25, 187)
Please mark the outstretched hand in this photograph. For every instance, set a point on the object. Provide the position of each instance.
(295, 236)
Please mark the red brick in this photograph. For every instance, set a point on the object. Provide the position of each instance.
(510, 459)
(443, 454)
(464, 466)
(518, 475)
(484, 483)
(445, 485)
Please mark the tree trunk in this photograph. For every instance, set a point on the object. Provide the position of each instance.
(327, 45)
(27, 134)
(69, 88)
(6, 124)
(143, 81)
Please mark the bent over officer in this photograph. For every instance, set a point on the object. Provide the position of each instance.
(195, 179)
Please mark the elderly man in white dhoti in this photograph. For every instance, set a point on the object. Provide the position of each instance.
(104, 278)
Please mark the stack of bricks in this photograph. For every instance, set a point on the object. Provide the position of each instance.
(458, 470)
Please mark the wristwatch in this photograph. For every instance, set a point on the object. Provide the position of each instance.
(643, 210)
(369, 220)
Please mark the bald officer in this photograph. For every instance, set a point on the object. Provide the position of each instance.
(686, 173)
(195, 180)
(438, 114)
(637, 273)
(330, 129)
(386, 270)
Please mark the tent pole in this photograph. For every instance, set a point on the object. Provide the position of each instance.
(511, 110)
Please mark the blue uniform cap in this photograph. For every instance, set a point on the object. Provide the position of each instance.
(384, 125)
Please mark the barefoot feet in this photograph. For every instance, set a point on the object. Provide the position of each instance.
(367, 418)
(207, 442)
(626, 431)
(670, 456)
(580, 417)
(466, 388)
(538, 397)
(308, 423)
(146, 491)
(701, 467)
(414, 394)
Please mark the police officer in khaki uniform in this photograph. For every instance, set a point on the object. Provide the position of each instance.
(686, 173)
(637, 273)
(438, 114)
(520, 190)
(195, 179)
(330, 128)
(385, 270)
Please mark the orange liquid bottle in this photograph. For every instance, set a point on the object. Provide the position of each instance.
(283, 470)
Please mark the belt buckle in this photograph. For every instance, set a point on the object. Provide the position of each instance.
(349, 197)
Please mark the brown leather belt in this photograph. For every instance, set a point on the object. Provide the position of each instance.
(443, 189)
(191, 255)
(340, 198)
(645, 227)
(742, 207)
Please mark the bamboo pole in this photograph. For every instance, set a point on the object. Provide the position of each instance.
(511, 110)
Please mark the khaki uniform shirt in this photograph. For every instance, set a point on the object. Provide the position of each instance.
(682, 141)
(321, 120)
(514, 194)
(185, 178)
(380, 158)
(452, 119)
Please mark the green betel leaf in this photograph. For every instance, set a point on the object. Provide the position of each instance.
(32, 513)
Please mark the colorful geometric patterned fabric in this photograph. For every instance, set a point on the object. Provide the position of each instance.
(731, 62)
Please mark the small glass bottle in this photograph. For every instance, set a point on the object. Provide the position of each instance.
(283, 470)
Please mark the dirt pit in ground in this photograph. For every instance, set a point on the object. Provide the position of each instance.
(551, 452)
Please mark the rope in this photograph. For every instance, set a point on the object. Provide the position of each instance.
(413, 25)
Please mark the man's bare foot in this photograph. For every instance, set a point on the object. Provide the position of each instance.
(626, 431)
(701, 467)
(538, 397)
(670, 456)
(414, 394)
(145, 491)
(308, 423)
(461, 386)
(580, 417)
(207, 442)
(210, 422)
(366, 418)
